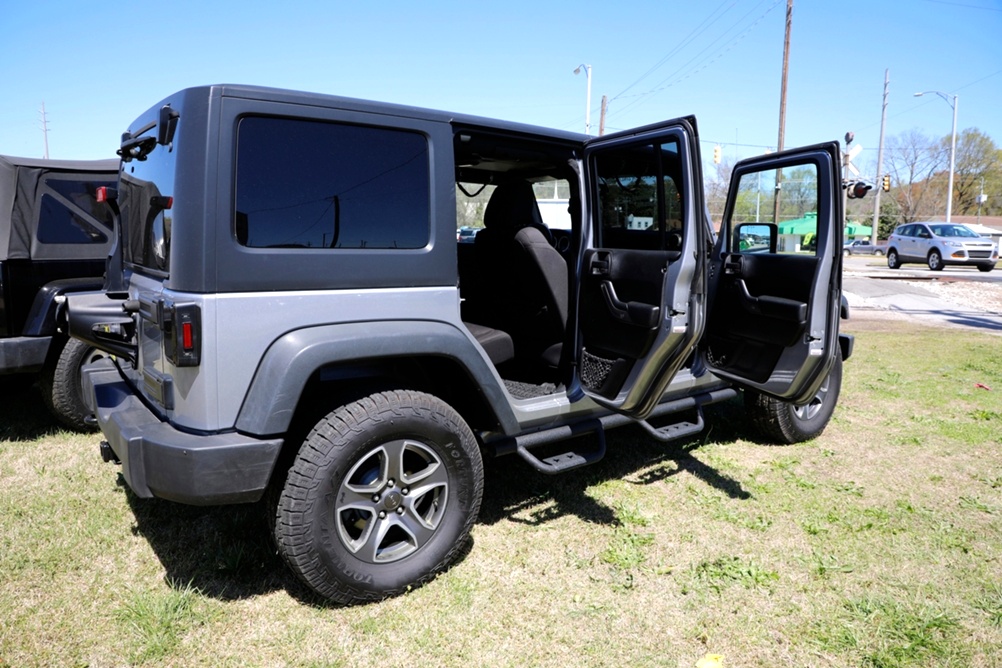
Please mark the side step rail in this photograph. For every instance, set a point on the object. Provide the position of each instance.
(671, 432)
(565, 461)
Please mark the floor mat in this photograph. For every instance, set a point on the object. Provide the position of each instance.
(528, 390)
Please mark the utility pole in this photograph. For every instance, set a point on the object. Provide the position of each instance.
(982, 198)
(880, 161)
(601, 119)
(782, 106)
(45, 131)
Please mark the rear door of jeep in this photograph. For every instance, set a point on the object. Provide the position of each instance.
(641, 280)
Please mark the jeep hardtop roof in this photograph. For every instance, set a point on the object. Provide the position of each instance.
(368, 106)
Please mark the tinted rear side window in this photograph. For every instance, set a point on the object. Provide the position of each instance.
(318, 185)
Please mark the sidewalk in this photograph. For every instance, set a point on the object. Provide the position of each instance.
(939, 301)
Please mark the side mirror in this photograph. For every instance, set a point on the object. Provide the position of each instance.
(755, 238)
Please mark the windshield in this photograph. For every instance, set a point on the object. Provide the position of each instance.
(953, 231)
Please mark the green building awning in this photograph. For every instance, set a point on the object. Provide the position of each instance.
(806, 225)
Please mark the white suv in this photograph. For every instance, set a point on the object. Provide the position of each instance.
(939, 244)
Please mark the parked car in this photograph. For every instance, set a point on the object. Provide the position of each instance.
(54, 238)
(863, 247)
(940, 244)
(467, 235)
(356, 368)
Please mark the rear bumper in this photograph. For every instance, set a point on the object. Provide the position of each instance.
(161, 461)
(23, 353)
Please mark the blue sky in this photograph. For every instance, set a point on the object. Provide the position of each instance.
(97, 66)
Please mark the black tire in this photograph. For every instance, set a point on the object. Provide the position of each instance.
(878, 252)
(61, 385)
(986, 267)
(892, 259)
(786, 424)
(846, 252)
(349, 522)
(935, 260)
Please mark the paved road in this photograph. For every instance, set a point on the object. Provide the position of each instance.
(869, 284)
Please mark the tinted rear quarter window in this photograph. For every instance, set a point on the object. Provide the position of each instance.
(320, 185)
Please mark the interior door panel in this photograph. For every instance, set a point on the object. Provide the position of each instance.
(620, 312)
(759, 310)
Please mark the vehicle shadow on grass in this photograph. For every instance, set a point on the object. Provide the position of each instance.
(23, 415)
(225, 552)
(514, 492)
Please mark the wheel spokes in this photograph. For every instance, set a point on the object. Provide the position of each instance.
(381, 514)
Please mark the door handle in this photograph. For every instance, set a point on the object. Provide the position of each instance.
(633, 313)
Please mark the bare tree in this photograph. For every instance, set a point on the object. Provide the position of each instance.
(716, 189)
(912, 159)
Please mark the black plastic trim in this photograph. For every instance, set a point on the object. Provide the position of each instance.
(23, 353)
(161, 461)
(278, 383)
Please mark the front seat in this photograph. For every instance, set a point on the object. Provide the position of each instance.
(525, 278)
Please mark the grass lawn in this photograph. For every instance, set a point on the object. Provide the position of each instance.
(878, 544)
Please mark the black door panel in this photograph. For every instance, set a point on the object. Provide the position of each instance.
(620, 309)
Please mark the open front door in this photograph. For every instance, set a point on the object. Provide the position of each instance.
(775, 276)
(641, 288)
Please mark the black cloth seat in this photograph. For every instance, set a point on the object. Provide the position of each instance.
(497, 344)
(523, 279)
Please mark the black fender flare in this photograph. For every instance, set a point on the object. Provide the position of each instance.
(291, 359)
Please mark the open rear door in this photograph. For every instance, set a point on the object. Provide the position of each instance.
(775, 275)
(641, 275)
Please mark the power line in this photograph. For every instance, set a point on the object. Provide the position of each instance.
(965, 5)
(685, 42)
(677, 76)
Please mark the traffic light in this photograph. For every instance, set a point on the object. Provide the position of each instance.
(857, 189)
(716, 155)
(885, 184)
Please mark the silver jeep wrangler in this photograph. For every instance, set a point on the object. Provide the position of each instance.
(289, 316)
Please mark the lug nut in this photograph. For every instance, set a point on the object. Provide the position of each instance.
(405, 491)
(382, 514)
(400, 510)
(375, 498)
(391, 482)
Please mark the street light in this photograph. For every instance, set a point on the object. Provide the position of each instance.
(953, 147)
(577, 70)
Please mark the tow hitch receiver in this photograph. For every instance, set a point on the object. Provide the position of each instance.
(107, 454)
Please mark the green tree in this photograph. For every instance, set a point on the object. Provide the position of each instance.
(977, 158)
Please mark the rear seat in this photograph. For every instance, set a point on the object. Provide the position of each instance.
(497, 344)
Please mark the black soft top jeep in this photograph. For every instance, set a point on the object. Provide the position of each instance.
(292, 317)
(54, 238)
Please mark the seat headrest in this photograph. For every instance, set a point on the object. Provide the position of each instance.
(512, 206)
